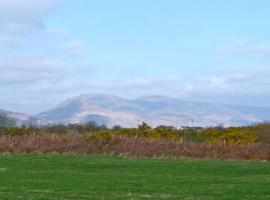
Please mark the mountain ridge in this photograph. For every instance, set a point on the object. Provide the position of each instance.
(154, 109)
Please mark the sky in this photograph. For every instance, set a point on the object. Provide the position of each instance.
(212, 51)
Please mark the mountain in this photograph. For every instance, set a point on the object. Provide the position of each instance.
(155, 110)
(24, 119)
(103, 109)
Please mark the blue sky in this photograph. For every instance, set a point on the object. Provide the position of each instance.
(214, 51)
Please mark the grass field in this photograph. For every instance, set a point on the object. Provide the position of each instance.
(75, 177)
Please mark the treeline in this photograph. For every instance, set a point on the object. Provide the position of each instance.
(259, 133)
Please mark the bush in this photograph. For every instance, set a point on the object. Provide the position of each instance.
(232, 135)
(263, 131)
(190, 135)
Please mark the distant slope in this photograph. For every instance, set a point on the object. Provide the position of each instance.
(24, 119)
(99, 108)
(156, 110)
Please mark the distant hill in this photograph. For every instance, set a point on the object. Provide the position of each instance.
(156, 110)
(24, 119)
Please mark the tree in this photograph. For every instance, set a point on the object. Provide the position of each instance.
(116, 128)
(144, 129)
(6, 122)
(57, 129)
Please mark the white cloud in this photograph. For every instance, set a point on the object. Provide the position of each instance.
(246, 48)
(29, 70)
(32, 62)
(20, 16)
(26, 43)
(59, 31)
(74, 48)
(235, 87)
(10, 42)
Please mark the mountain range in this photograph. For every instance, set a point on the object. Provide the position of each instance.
(155, 110)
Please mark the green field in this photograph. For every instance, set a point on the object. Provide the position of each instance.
(104, 177)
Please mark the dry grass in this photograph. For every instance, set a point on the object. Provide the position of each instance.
(131, 147)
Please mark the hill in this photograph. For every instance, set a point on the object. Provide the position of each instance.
(156, 110)
(24, 119)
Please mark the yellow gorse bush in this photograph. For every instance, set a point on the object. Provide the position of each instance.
(233, 135)
(143, 131)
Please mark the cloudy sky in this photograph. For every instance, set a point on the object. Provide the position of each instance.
(214, 51)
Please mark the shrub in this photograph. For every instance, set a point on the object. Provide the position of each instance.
(101, 136)
(232, 135)
(263, 131)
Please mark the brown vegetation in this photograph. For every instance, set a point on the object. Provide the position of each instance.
(250, 142)
(131, 147)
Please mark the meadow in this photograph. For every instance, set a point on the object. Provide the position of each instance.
(66, 176)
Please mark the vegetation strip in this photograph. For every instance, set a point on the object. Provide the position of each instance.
(248, 143)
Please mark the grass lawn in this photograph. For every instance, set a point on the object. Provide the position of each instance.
(75, 177)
